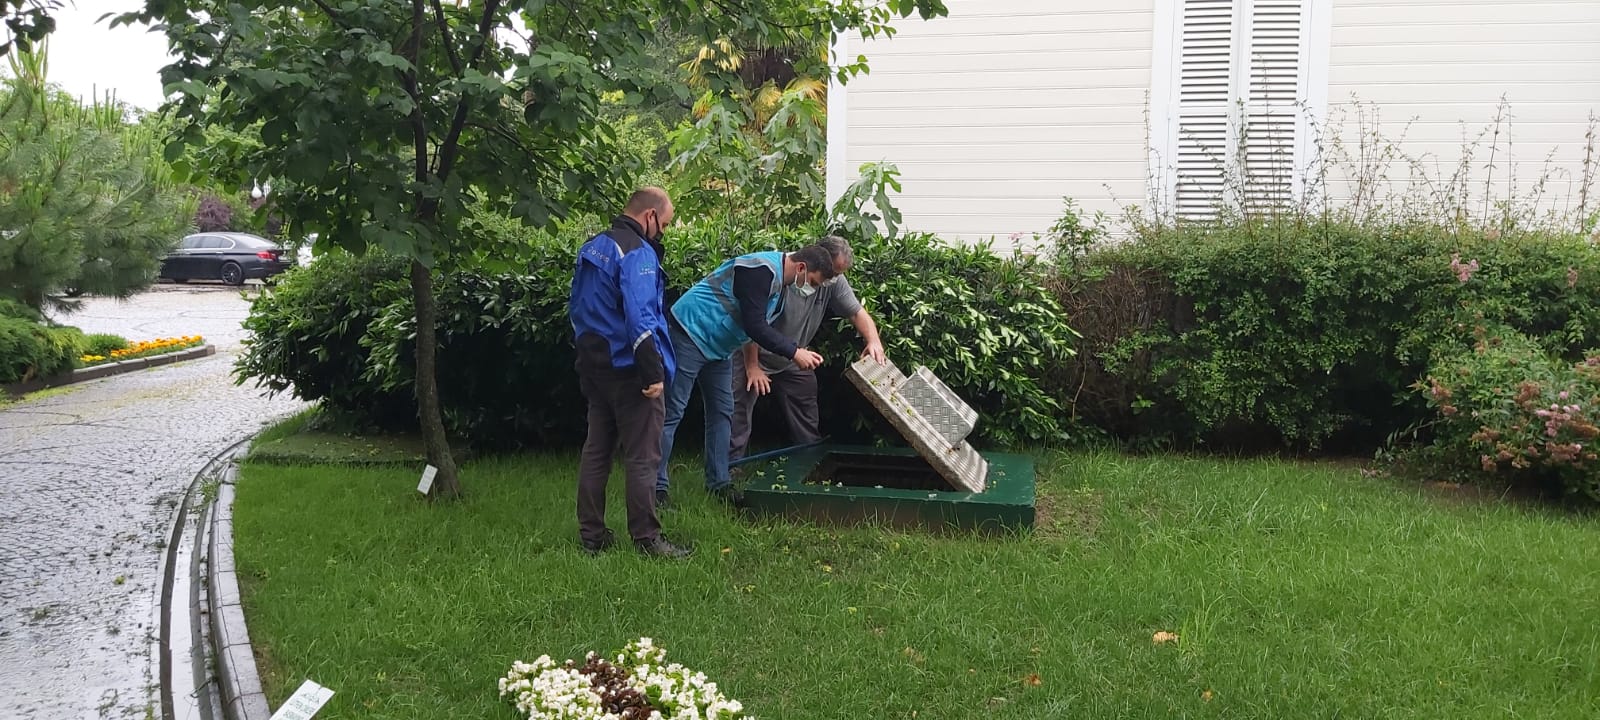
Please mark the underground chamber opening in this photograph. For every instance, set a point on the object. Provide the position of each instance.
(866, 470)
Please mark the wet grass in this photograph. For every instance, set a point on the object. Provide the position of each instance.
(1295, 590)
(301, 441)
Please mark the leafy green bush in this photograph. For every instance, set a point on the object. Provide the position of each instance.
(505, 349)
(103, 343)
(341, 331)
(1298, 331)
(987, 325)
(10, 308)
(30, 350)
(306, 335)
(1510, 411)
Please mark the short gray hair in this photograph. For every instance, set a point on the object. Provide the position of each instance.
(839, 249)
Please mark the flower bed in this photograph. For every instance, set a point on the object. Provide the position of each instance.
(638, 685)
(144, 348)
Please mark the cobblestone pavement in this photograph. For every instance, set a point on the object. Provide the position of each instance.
(93, 475)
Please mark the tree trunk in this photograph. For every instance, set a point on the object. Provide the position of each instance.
(446, 484)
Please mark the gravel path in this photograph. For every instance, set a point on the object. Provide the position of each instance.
(93, 474)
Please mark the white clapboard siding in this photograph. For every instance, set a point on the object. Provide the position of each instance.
(997, 112)
(1428, 77)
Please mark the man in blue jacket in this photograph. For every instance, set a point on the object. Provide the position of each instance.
(625, 360)
(733, 305)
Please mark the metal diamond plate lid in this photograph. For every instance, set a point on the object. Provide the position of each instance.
(931, 417)
(949, 415)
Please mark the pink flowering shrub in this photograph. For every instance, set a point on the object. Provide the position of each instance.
(1510, 411)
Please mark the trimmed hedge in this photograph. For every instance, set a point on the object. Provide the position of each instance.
(30, 350)
(1299, 333)
(340, 331)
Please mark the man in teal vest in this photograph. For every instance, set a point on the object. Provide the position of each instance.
(733, 305)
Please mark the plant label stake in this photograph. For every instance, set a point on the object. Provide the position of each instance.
(427, 480)
(304, 703)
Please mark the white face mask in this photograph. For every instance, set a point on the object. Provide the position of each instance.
(804, 286)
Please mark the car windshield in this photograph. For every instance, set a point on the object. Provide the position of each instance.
(251, 241)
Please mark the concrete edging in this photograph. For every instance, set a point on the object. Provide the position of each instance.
(236, 672)
(109, 369)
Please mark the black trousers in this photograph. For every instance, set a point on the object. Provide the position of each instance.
(796, 394)
(621, 419)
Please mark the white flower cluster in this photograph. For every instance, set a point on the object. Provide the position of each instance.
(544, 690)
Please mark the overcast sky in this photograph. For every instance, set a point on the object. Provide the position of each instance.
(88, 57)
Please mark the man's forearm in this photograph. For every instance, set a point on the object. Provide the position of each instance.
(867, 327)
(752, 356)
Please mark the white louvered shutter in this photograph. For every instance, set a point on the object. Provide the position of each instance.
(1272, 106)
(1205, 104)
(1239, 90)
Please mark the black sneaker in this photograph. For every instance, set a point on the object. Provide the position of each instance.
(663, 502)
(596, 547)
(663, 548)
(729, 496)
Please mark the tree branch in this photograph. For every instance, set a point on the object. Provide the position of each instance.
(452, 139)
(331, 13)
(449, 42)
(419, 123)
(507, 135)
(484, 26)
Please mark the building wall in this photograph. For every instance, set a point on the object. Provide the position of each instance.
(996, 112)
(1429, 76)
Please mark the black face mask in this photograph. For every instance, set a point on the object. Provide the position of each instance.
(655, 237)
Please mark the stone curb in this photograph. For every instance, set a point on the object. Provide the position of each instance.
(109, 369)
(235, 662)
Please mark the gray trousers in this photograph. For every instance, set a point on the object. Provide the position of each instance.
(796, 394)
(620, 417)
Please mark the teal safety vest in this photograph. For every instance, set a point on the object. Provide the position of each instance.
(709, 313)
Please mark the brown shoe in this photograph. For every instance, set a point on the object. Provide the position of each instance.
(595, 547)
(663, 548)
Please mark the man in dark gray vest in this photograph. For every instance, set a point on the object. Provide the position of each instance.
(801, 313)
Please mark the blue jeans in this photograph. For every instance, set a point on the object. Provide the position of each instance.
(715, 378)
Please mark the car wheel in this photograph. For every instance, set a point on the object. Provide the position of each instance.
(232, 274)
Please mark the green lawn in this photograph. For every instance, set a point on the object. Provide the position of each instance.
(1297, 591)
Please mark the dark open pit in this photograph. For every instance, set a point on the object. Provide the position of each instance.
(857, 469)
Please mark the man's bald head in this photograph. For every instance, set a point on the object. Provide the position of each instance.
(648, 198)
(652, 209)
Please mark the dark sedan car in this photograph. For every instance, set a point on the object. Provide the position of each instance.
(226, 256)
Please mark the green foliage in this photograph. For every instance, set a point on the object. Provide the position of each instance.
(853, 214)
(103, 343)
(770, 174)
(1297, 330)
(85, 201)
(383, 132)
(341, 331)
(10, 308)
(28, 23)
(30, 350)
(306, 335)
(1511, 412)
(384, 124)
(987, 325)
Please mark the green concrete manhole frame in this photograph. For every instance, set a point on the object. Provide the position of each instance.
(778, 487)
